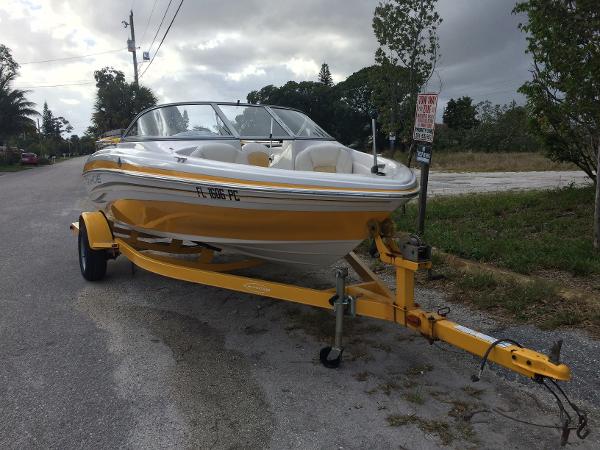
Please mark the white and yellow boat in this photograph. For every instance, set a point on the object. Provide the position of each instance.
(260, 180)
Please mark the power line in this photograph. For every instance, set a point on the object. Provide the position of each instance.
(71, 57)
(148, 23)
(159, 26)
(55, 85)
(163, 39)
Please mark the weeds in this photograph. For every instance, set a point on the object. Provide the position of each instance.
(438, 427)
(521, 231)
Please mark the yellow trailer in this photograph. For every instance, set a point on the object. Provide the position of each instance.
(100, 240)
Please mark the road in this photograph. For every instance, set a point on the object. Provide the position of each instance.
(453, 183)
(141, 361)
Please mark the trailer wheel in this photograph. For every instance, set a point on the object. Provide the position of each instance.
(91, 262)
(330, 363)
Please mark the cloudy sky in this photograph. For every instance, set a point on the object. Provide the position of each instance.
(222, 49)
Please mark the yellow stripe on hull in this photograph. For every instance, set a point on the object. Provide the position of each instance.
(125, 167)
(245, 224)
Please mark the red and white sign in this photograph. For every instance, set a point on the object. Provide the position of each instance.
(425, 117)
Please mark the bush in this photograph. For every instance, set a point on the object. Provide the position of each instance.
(10, 156)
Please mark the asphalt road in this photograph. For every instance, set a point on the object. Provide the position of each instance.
(141, 361)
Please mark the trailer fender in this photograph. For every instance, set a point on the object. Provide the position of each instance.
(100, 235)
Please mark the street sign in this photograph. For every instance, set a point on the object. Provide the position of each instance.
(424, 153)
(425, 117)
(146, 56)
(130, 45)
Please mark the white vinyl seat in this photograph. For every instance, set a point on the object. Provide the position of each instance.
(257, 154)
(325, 157)
(217, 151)
(285, 158)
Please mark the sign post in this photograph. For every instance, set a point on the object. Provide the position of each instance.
(423, 135)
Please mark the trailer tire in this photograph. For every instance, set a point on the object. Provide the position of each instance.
(91, 262)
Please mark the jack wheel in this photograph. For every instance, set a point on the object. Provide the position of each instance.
(91, 262)
(330, 363)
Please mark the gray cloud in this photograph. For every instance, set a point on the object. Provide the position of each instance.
(223, 49)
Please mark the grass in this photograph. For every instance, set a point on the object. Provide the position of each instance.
(491, 162)
(13, 167)
(547, 234)
(442, 429)
(524, 232)
(537, 302)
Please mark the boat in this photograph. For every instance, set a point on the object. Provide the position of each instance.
(258, 180)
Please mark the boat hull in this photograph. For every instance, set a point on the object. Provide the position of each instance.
(292, 224)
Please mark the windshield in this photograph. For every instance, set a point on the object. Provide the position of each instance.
(253, 121)
(180, 121)
(300, 124)
(222, 120)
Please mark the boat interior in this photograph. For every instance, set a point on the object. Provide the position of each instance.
(255, 135)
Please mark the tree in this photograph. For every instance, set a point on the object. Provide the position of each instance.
(564, 96)
(117, 101)
(15, 109)
(7, 63)
(461, 114)
(407, 34)
(325, 75)
(48, 127)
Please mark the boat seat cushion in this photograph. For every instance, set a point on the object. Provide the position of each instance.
(325, 157)
(217, 151)
(284, 159)
(257, 154)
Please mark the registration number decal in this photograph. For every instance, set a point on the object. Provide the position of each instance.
(217, 193)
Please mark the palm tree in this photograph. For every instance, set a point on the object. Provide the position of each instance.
(15, 109)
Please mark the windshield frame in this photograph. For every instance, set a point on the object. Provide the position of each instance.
(234, 132)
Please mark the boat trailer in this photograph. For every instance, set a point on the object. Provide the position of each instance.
(99, 239)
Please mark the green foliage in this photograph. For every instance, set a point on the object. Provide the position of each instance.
(564, 95)
(117, 101)
(499, 128)
(461, 114)
(407, 34)
(15, 109)
(320, 101)
(325, 75)
(8, 66)
(342, 110)
(47, 121)
(524, 231)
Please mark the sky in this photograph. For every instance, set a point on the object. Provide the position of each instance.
(222, 49)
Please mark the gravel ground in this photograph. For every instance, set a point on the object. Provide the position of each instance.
(453, 183)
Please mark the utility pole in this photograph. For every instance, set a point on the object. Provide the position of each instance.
(131, 46)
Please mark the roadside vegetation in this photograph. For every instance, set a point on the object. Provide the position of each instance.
(544, 235)
(24, 129)
(12, 167)
(460, 161)
(525, 232)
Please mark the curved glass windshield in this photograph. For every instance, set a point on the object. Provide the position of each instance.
(300, 124)
(253, 121)
(214, 120)
(180, 121)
